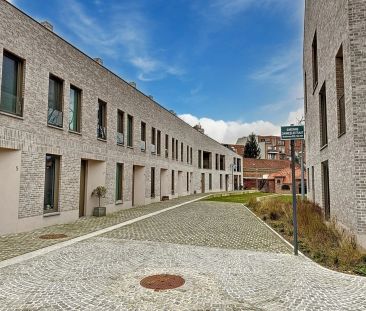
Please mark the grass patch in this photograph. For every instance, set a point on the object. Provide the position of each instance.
(319, 240)
(237, 198)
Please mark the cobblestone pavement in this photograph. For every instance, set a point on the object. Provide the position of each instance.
(229, 273)
(206, 223)
(16, 244)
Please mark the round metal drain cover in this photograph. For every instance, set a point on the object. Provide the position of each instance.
(162, 282)
(53, 236)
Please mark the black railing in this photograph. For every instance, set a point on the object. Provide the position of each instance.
(102, 132)
(55, 117)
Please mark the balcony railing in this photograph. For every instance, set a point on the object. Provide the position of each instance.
(153, 148)
(102, 132)
(55, 117)
(143, 145)
(120, 139)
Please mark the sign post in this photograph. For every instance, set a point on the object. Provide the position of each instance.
(292, 133)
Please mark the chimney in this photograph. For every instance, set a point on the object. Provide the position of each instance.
(47, 25)
(99, 61)
(132, 83)
(151, 97)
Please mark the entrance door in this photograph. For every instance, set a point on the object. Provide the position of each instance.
(326, 198)
(203, 183)
(83, 168)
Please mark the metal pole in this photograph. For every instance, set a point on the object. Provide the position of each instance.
(294, 207)
(302, 171)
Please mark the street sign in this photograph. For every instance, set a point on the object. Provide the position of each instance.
(292, 132)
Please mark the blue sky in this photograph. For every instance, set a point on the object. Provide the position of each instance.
(232, 65)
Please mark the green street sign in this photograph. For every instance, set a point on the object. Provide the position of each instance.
(292, 132)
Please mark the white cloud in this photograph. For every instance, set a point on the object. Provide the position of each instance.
(125, 36)
(230, 131)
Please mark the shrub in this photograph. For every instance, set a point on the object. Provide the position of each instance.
(99, 192)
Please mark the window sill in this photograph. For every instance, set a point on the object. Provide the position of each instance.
(55, 127)
(12, 115)
(51, 214)
(73, 132)
(315, 87)
(324, 147)
(119, 202)
(101, 139)
(130, 147)
(342, 134)
(122, 145)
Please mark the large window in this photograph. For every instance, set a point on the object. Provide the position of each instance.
(153, 140)
(120, 127)
(129, 131)
(119, 183)
(153, 182)
(341, 109)
(199, 159)
(143, 136)
(166, 145)
(51, 185)
(315, 60)
(181, 152)
(55, 92)
(207, 160)
(74, 109)
(209, 181)
(12, 85)
(217, 162)
(158, 142)
(176, 149)
(102, 120)
(323, 117)
(222, 162)
(173, 148)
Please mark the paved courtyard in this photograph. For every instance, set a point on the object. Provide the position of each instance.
(229, 259)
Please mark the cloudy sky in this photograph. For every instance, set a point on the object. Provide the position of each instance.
(232, 65)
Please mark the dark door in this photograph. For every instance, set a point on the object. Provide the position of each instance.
(203, 183)
(82, 188)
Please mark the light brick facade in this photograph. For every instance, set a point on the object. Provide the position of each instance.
(338, 23)
(45, 53)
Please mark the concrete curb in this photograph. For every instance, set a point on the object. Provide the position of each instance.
(48, 249)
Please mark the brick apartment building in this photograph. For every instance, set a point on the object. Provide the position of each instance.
(68, 125)
(273, 147)
(335, 94)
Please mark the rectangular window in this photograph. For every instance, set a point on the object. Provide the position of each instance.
(12, 85)
(153, 140)
(143, 136)
(102, 120)
(172, 182)
(173, 148)
(315, 61)
(222, 162)
(74, 109)
(176, 149)
(220, 181)
(158, 142)
(191, 155)
(207, 160)
(51, 186)
(187, 154)
(120, 127)
(326, 196)
(153, 182)
(341, 109)
(217, 162)
(199, 159)
(323, 117)
(308, 179)
(209, 181)
(55, 110)
(129, 130)
(166, 145)
(119, 182)
(181, 152)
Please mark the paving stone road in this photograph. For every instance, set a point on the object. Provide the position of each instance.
(212, 245)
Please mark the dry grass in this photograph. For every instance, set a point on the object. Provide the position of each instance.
(319, 240)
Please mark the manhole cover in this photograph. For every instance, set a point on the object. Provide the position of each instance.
(162, 282)
(53, 236)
